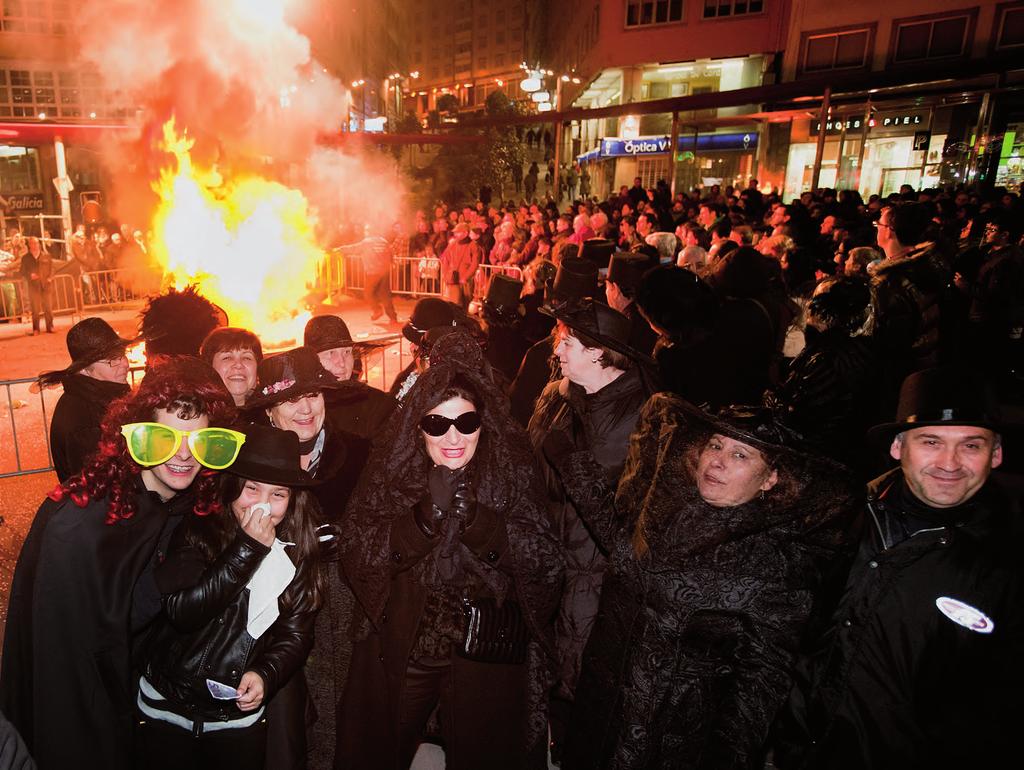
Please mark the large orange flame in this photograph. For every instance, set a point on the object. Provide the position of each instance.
(247, 242)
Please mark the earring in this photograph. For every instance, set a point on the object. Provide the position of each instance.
(762, 494)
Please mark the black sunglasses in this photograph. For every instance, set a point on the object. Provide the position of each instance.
(436, 425)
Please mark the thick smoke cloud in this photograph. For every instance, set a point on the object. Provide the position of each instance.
(243, 82)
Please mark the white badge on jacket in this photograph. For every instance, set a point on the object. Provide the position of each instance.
(965, 615)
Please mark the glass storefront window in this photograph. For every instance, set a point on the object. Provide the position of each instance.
(19, 170)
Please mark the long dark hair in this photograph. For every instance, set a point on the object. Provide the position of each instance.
(214, 534)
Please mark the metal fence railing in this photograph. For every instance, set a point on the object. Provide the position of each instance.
(15, 303)
(26, 448)
(342, 270)
(12, 300)
(416, 276)
(105, 288)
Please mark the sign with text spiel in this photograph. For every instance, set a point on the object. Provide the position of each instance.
(886, 121)
(24, 203)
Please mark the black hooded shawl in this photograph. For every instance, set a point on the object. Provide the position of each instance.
(508, 483)
(692, 651)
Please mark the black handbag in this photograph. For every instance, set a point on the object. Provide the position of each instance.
(493, 634)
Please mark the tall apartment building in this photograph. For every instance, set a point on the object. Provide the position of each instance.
(959, 121)
(361, 42)
(468, 48)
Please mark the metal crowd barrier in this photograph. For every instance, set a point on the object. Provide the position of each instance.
(484, 274)
(12, 300)
(381, 365)
(416, 276)
(413, 276)
(20, 408)
(103, 288)
(16, 306)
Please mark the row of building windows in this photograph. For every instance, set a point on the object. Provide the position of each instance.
(643, 13)
(64, 94)
(913, 40)
(41, 17)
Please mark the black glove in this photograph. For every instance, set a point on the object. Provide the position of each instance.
(557, 446)
(442, 483)
(464, 503)
(428, 517)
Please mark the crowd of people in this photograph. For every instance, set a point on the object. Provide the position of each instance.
(622, 510)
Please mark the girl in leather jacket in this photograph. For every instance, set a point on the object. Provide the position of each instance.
(241, 589)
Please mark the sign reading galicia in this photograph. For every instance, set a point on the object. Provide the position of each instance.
(24, 202)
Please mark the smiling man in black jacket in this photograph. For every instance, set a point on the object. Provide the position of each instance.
(920, 664)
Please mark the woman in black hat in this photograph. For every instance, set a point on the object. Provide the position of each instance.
(720, 534)
(97, 375)
(241, 588)
(456, 569)
(290, 392)
(359, 408)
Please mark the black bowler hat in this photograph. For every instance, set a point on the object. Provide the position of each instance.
(503, 295)
(326, 332)
(428, 313)
(90, 340)
(576, 279)
(288, 375)
(943, 395)
(601, 323)
(625, 269)
(270, 455)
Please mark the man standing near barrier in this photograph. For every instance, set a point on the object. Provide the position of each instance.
(459, 263)
(37, 270)
(376, 253)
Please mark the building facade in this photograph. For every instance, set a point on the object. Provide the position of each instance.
(921, 92)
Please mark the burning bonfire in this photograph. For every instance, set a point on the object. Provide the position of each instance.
(246, 242)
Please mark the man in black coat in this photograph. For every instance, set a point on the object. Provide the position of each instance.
(97, 375)
(920, 663)
(83, 591)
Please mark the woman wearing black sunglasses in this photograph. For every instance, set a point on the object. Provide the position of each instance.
(454, 564)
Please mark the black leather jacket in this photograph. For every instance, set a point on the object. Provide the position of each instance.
(202, 633)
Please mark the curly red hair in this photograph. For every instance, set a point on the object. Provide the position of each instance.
(184, 385)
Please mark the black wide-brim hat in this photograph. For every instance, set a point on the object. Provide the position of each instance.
(326, 332)
(601, 323)
(942, 395)
(270, 455)
(758, 426)
(90, 340)
(288, 375)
